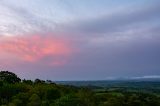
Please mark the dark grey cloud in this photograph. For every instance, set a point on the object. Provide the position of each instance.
(120, 20)
(136, 58)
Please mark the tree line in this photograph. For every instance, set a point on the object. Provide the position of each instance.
(17, 92)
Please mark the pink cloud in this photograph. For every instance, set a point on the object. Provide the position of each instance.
(37, 48)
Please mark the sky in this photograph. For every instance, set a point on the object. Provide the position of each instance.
(80, 39)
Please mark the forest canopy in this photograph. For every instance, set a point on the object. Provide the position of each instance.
(17, 92)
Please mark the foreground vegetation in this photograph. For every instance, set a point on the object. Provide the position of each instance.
(17, 92)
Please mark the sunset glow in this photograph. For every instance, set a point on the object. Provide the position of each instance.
(36, 48)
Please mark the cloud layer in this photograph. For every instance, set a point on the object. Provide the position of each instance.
(68, 40)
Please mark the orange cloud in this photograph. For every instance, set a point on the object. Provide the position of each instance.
(36, 48)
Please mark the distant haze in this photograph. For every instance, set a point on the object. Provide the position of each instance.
(80, 39)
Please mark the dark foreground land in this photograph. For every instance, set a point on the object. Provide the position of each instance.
(14, 92)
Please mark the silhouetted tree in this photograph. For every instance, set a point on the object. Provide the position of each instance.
(38, 81)
(30, 82)
(9, 77)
